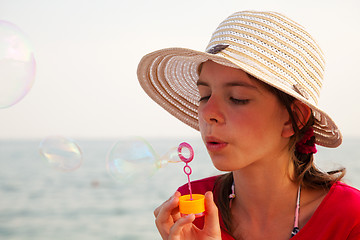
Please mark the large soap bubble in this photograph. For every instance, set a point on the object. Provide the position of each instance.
(132, 159)
(61, 153)
(17, 64)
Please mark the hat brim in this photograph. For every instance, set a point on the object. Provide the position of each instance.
(169, 77)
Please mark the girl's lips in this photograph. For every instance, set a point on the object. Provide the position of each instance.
(214, 144)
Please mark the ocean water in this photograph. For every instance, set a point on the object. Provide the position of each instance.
(38, 202)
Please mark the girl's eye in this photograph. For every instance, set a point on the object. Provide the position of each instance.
(204, 98)
(239, 101)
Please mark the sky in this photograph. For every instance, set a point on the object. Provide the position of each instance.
(87, 54)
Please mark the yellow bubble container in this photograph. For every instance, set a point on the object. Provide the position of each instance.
(195, 206)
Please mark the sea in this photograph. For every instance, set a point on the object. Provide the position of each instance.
(40, 202)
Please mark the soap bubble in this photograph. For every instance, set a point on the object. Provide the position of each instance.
(132, 159)
(172, 156)
(135, 160)
(17, 64)
(61, 153)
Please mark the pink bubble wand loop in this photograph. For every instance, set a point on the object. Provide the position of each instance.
(187, 168)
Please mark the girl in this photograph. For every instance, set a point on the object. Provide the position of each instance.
(253, 95)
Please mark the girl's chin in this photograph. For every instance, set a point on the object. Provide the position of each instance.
(226, 166)
(222, 167)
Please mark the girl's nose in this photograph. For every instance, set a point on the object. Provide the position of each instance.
(211, 111)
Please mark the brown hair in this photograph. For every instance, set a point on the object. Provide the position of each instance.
(305, 173)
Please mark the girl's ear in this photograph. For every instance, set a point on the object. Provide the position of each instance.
(301, 114)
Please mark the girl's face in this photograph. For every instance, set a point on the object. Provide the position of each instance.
(241, 122)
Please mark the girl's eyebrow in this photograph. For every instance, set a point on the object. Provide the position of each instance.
(229, 84)
(240, 84)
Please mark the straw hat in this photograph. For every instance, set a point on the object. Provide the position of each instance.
(267, 45)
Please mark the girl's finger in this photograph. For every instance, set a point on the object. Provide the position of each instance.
(211, 224)
(176, 214)
(164, 214)
(163, 218)
(175, 230)
(157, 210)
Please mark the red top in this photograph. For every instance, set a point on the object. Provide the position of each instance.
(337, 217)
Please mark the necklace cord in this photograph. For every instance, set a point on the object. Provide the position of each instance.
(297, 209)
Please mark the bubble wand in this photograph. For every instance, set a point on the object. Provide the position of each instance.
(192, 203)
(187, 168)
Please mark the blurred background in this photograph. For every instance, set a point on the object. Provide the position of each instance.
(86, 89)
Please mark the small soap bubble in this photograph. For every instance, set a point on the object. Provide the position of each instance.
(131, 160)
(17, 64)
(61, 153)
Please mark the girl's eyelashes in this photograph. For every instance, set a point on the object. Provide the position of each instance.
(204, 98)
(239, 101)
(232, 99)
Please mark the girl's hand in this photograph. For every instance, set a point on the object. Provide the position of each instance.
(172, 226)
